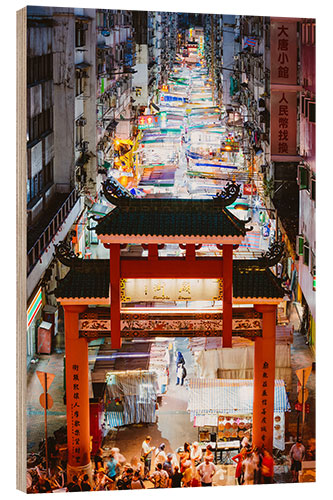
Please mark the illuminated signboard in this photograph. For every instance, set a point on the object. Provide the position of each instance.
(148, 121)
(34, 307)
(150, 290)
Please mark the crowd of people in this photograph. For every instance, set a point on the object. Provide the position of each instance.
(189, 466)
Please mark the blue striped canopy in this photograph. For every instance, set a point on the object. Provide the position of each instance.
(229, 397)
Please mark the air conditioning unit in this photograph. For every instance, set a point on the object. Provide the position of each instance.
(313, 188)
(84, 146)
(82, 121)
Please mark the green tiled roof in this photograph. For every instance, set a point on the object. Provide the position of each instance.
(92, 280)
(170, 217)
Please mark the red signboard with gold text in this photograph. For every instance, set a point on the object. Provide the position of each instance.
(283, 51)
(283, 123)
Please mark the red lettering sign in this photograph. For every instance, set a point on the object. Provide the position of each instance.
(283, 51)
(283, 123)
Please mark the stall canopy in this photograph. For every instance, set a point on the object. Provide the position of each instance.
(136, 392)
(238, 362)
(229, 397)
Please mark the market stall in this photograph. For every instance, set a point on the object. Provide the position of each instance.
(139, 376)
(225, 407)
(131, 397)
(159, 362)
(238, 362)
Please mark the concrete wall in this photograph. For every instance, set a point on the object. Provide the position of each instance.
(228, 55)
(140, 79)
(47, 256)
(64, 100)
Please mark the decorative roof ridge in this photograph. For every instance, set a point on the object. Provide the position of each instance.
(238, 223)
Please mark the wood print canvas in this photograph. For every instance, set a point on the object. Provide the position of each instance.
(167, 190)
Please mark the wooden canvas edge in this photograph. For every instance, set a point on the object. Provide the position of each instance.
(21, 248)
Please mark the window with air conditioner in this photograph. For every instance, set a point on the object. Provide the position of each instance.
(306, 253)
(299, 245)
(312, 112)
(80, 34)
(303, 177)
(313, 188)
(313, 263)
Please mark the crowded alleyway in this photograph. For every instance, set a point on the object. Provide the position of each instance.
(191, 152)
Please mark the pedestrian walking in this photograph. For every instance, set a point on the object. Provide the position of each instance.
(297, 454)
(239, 474)
(168, 467)
(209, 453)
(180, 359)
(177, 477)
(98, 460)
(125, 480)
(146, 455)
(187, 476)
(85, 485)
(206, 471)
(267, 467)
(102, 481)
(257, 462)
(196, 453)
(160, 455)
(73, 485)
(185, 457)
(111, 467)
(248, 467)
(181, 374)
(160, 478)
(137, 482)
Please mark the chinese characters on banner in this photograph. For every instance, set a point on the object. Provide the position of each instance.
(264, 401)
(75, 416)
(283, 123)
(150, 290)
(283, 73)
(283, 51)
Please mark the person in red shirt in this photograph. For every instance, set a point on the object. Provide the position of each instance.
(239, 469)
(267, 467)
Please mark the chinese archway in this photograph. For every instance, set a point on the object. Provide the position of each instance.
(153, 223)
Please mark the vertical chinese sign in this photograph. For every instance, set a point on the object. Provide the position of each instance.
(264, 396)
(75, 415)
(283, 123)
(283, 88)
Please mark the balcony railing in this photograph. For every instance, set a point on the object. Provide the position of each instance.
(45, 238)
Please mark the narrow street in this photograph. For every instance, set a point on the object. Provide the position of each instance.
(189, 227)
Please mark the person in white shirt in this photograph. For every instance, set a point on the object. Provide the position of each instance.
(146, 454)
(206, 470)
(246, 440)
(196, 453)
(160, 455)
(249, 467)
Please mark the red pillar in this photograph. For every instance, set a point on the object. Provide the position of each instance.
(152, 251)
(227, 295)
(77, 395)
(190, 251)
(115, 295)
(264, 379)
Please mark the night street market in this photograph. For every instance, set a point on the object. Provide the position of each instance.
(171, 250)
